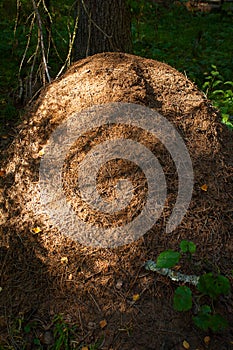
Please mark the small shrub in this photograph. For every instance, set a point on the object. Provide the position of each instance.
(207, 285)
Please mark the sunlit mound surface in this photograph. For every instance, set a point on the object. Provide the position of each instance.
(59, 274)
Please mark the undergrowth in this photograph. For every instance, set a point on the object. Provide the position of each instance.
(193, 43)
(209, 287)
(197, 44)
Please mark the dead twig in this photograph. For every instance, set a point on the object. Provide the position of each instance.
(45, 66)
(71, 44)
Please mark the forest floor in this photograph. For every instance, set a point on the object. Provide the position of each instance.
(59, 294)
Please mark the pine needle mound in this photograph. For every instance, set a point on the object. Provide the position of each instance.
(85, 286)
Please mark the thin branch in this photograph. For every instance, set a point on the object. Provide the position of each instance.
(17, 16)
(28, 43)
(89, 35)
(93, 22)
(47, 11)
(175, 276)
(48, 28)
(33, 66)
(41, 40)
(24, 56)
(71, 44)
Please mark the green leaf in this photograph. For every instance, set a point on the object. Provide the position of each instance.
(213, 285)
(214, 73)
(27, 328)
(228, 83)
(217, 323)
(182, 299)
(202, 321)
(205, 309)
(205, 320)
(168, 259)
(216, 83)
(187, 247)
(184, 246)
(218, 92)
(192, 247)
(203, 317)
(36, 341)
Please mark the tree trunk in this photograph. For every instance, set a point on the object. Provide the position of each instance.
(103, 26)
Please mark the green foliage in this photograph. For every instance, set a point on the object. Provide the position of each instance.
(13, 42)
(182, 299)
(167, 259)
(97, 345)
(62, 333)
(158, 33)
(206, 320)
(213, 286)
(221, 93)
(208, 285)
(187, 247)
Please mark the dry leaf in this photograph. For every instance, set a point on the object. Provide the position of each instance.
(84, 348)
(207, 340)
(103, 323)
(2, 173)
(41, 152)
(64, 260)
(36, 230)
(70, 277)
(186, 345)
(136, 297)
(204, 187)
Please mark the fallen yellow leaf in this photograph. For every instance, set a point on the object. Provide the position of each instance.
(136, 297)
(41, 152)
(207, 340)
(36, 229)
(64, 260)
(186, 345)
(103, 323)
(204, 187)
(85, 348)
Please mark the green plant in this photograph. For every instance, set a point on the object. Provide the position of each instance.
(94, 346)
(98, 344)
(62, 333)
(206, 319)
(221, 93)
(208, 285)
(31, 328)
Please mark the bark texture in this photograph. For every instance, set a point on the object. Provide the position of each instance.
(103, 26)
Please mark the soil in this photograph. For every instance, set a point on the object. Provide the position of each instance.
(45, 273)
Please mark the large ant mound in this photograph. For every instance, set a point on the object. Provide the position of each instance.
(51, 272)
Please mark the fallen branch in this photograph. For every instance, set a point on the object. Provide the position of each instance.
(175, 276)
